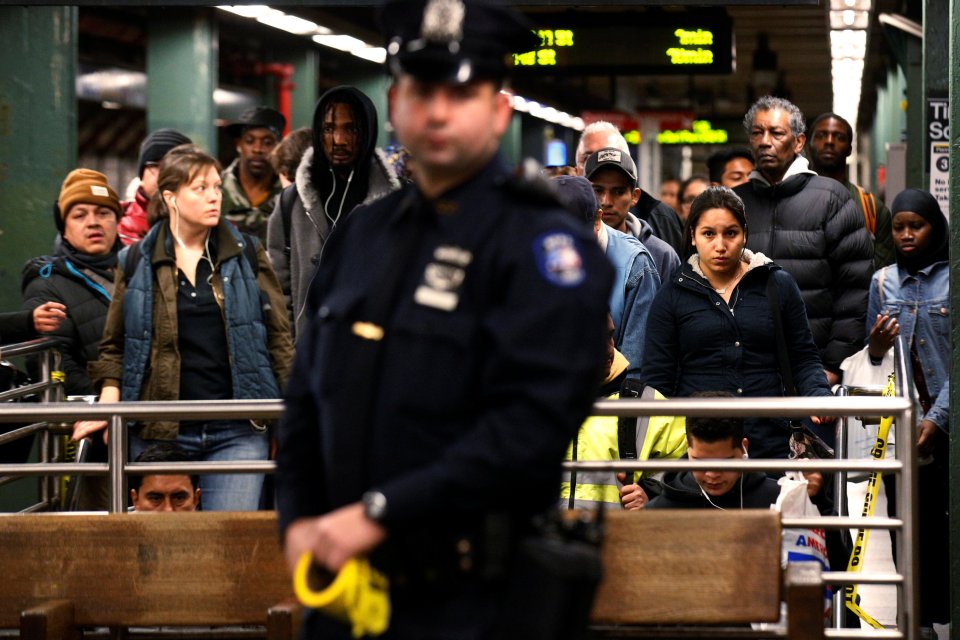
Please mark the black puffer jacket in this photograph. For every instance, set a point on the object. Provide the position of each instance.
(810, 226)
(56, 278)
(664, 220)
(681, 491)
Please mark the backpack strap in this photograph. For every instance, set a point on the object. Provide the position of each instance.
(250, 244)
(287, 196)
(130, 255)
(869, 209)
(786, 372)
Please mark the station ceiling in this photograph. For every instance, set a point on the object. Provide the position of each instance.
(796, 34)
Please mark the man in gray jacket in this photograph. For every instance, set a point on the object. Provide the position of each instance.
(810, 226)
(342, 170)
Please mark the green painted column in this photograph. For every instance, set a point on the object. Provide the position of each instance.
(936, 65)
(953, 82)
(511, 145)
(304, 99)
(38, 132)
(373, 81)
(916, 114)
(182, 58)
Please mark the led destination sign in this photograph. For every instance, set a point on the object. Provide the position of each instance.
(643, 43)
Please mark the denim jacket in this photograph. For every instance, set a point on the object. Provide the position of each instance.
(921, 304)
(634, 286)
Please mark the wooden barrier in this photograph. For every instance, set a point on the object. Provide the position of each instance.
(700, 567)
(684, 567)
(63, 571)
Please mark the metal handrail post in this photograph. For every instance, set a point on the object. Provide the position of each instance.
(49, 362)
(840, 495)
(907, 556)
(116, 461)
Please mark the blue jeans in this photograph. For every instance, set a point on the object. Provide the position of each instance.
(223, 440)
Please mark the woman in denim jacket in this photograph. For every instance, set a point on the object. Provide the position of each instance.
(911, 298)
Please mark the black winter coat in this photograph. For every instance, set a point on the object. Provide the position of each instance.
(681, 491)
(55, 278)
(697, 342)
(810, 226)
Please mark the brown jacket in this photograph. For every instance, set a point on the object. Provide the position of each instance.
(162, 378)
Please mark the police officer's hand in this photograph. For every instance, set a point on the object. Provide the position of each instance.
(632, 496)
(333, 538)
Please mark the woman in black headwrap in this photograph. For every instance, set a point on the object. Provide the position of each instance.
(912, 299)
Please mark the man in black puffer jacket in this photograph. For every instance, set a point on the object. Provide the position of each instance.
(810, 226)
(80, 275)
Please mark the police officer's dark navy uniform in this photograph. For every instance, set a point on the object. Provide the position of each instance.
(473, 325)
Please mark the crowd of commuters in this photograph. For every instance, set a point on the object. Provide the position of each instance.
(751, 281)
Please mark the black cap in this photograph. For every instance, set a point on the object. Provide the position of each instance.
(576, 193)
(156, 145)
(453, 41)
(611, 157)
(257, 118)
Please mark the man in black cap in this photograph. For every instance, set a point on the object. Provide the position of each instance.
(134, 223)
(250, 185)
(454, 347)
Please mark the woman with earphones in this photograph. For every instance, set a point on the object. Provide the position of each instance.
(713, 327)
(193, 317)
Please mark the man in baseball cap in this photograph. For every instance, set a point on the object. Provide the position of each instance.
(614, 178)
(250, 185)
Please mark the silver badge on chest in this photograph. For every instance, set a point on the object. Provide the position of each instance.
(443, 278)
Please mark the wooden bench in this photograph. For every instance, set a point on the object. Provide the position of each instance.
(65, 571)
(679, 568)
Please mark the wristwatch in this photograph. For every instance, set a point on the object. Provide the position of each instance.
(374, 505)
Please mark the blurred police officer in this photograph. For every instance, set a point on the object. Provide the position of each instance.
(456, 333)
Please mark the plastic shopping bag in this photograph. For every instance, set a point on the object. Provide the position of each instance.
(801, 545)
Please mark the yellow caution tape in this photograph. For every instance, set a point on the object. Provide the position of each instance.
(359, 595)
(878, 452)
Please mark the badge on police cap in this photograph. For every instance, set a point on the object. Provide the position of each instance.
(443, 21)
(558, 259)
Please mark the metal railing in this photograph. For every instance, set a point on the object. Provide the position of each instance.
(51, 391)
(901, 407)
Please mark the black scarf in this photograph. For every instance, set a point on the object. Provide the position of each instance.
(926, 206)
(101, 265)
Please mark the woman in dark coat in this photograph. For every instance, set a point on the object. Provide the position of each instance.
(712, 328)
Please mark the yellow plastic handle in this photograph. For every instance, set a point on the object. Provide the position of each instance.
(358, 595)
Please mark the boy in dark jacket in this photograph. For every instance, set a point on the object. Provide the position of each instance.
(716, 439)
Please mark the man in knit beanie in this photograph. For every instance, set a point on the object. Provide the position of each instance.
(80, 277)
(134, 224)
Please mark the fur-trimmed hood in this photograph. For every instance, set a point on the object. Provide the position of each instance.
(381, 180)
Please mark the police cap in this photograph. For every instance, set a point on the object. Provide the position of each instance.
(453, 41)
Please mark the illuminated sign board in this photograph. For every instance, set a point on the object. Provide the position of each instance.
(701, 133)
(648, 43)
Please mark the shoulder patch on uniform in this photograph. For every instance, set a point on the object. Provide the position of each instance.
(557, 255)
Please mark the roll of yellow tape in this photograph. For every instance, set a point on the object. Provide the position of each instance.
(358, 595)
